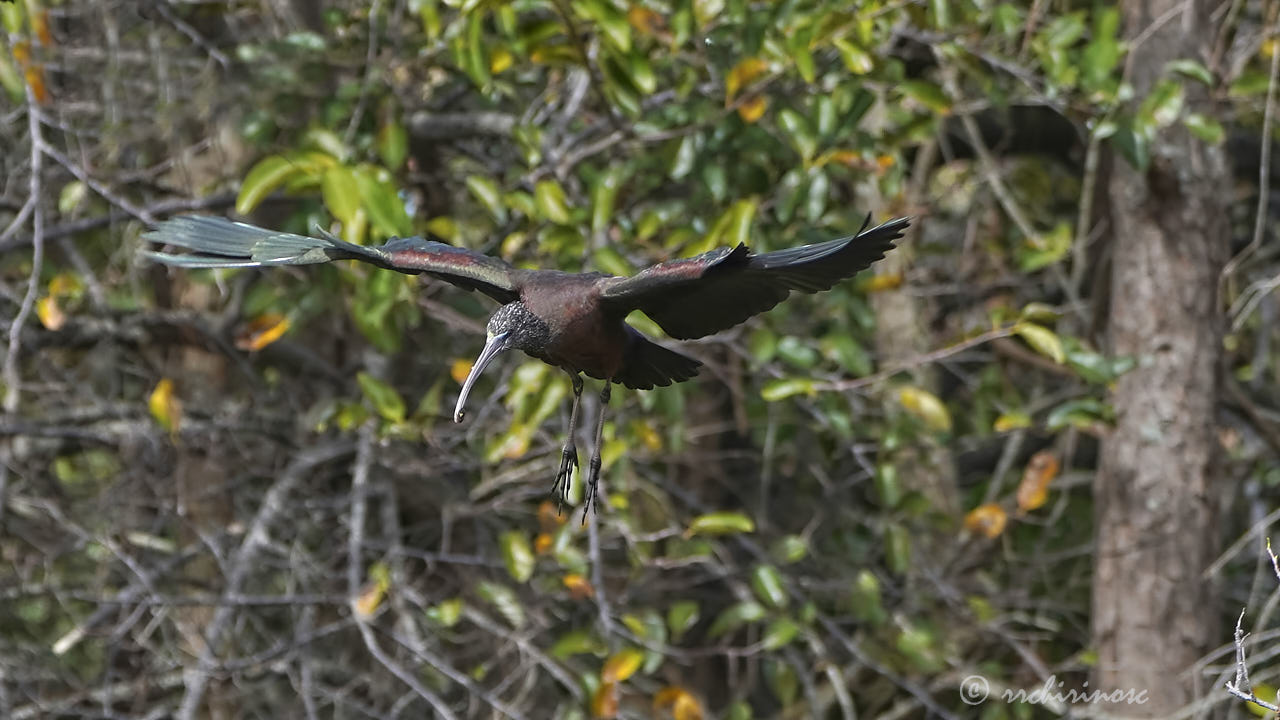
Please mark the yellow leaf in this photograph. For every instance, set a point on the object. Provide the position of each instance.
(579, 588)
(741, 75)
(684, 706)
(549, 517)
(262, 331)
(51, 316)
(542, 544)
(1012, 421)
(500, 60)
(645, 20)
(165, 407)
(40, 24)
(926, 406)
(753, 109)
(649, 436)
(622, 665)
(1042, 339)
(604, 704)
(459, 369)
(65, 284)
(1034, 488)
(987, 520)
(369, 599)
(882, 282)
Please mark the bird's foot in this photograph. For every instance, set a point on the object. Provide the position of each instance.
(592, 503)
(560, 488)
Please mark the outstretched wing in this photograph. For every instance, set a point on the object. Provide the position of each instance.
(221, 243)
(701, 295)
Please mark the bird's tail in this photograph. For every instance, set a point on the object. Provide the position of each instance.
(221, 243)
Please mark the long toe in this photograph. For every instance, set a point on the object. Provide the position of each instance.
(560, 488)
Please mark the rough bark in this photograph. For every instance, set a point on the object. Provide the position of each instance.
(1152, 615)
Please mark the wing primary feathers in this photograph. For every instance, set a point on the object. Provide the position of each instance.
(218, 242)
(697, 296)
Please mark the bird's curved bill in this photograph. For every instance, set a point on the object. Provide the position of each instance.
(494, 345)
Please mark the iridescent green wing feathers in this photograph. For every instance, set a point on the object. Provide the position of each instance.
(221, 243)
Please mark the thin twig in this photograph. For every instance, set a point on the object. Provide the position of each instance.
(12, 379)
(1241, 686)
(911, 363)
(197, 679)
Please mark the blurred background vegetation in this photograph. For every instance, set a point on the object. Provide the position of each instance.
(237, 494)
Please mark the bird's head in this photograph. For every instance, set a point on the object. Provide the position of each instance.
(512, 326)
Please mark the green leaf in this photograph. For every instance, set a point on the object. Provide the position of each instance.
(611, 20)
(739, 230)
(1192, 69)
(1042, 339)
(735, 616)
(767, 583)
(603, 194)
(446, 614)
(930, 95)
(576, 642)
(10, 78)
(681, 616)
(1102, 54)
(798, 132)
(393, 144)
(517, 555)
(897, 548)
(721, 523)
(1206, 128)
(1161, 107)
(341, 193)
(888, 488)
(686, 152)
(1085, 414)
(1134, 146)
(268, 174)
(504, 600)
(1046, 248)
(642, 73)
(776, 390)
(72, 194)
(486, 191)
(327, 142)
(856, 60)
(789, 549)
(476, 58)
(383, 397)
(550, 199)
(779, 633)
(11, 17)
(382, 201)
(865, 598)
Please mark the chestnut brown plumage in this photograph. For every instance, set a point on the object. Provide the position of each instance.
(574, 321)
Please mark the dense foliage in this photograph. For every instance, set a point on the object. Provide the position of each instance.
(239, 492)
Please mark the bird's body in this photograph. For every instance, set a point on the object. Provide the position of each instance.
(574, 321)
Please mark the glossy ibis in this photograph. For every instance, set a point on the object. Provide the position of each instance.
(573, 321)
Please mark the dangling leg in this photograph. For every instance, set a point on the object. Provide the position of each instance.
(593, 467)
(569, 454)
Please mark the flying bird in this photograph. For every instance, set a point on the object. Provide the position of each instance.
(573, 321)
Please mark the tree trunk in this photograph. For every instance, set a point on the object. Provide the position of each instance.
(1152, 612)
